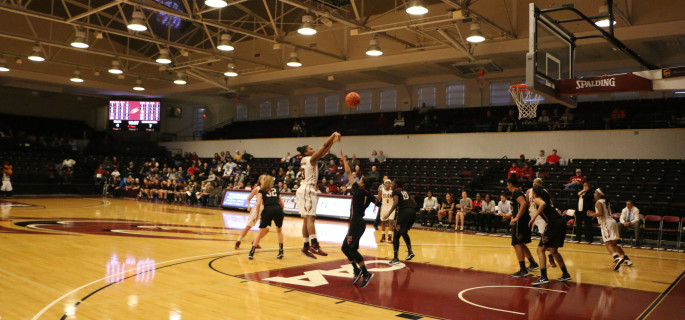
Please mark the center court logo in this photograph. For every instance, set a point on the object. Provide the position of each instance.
(317, 278)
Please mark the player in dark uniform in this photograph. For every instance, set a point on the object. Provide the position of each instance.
(270, 198)
(553, 237)
(520, 233)
(361, 198)
(404, 203)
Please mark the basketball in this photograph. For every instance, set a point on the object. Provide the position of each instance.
(352, 99)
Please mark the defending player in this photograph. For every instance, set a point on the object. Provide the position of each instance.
(361, 198)
(609, 229)
(406, 215)
(387, 216)
(520, 234)
(538, 220)
(306, 197)
(253, 218)
(270, 203)
(552, 237)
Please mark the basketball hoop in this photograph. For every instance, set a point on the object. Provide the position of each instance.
(527, 101)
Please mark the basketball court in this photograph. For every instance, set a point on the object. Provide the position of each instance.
(98, 258)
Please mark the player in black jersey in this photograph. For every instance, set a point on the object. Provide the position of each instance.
(361, 198)
(553, 237)
(270, 198)
(405, 217)
(520, 233)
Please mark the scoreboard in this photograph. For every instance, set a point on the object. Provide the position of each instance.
(134, 115)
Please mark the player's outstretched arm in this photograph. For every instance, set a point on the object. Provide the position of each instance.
(335, 137)
(348, 171)
(249, 198)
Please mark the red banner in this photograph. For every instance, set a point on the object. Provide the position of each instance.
(624, 82)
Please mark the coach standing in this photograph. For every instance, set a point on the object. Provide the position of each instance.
(585, 203)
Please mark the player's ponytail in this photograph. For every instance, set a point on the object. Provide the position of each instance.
(302, 150)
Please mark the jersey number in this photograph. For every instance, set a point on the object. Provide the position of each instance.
(405, 195)
(272, 193)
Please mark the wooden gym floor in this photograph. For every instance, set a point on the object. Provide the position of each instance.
(95, 258)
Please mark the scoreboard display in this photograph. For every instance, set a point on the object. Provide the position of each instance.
(134, 115)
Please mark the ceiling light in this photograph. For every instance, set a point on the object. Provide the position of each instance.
(230, 72)
(80, 41)
(139, 85)
(416, 8)
(137, 22)
(163, 57)
(216, 3)
(36, 55)
(77, 76)
(3, 66)
(225, 43)
(604, 22)
(475, 36)
(115, 69)
(294, 61)
(374, 50)
(307, 29)
(180, 80)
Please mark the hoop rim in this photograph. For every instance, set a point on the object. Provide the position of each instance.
(518, 87)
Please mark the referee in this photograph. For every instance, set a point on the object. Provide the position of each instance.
(361, 198)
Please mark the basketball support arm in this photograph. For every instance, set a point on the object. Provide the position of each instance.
(608, 36)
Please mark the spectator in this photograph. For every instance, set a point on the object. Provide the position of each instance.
(526, 172)
(488, 123)
(290, 173)
(353, 162)
(583, 221)
(322, 185)
(399, 121)
(618, 117)
(332, 187)
(544, 121)
(513, 170)
(381, 157)
(297, 129)
(115, 173)
(565, 119)
(477, 204)
(373, 174)
(486, 217)
(229, 166)
(541, 160)
(504, 206)
(630, 219)
(247, 157)
(373, 157)
(465, 207)
(100, 175)
(429, 210)
(238, 156)
(107, 164)
(522, 161)
(286, 159)
(447, 209)
(553, 159)
(332, 168)
(508, 122)
(7, 172)
(345, 191)
(575, 182)
(192, 170)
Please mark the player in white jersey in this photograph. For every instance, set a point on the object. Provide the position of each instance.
(387, 217)
(609, 228)
(306, 197)
(539, 221)
(253, 218)
(6, 187)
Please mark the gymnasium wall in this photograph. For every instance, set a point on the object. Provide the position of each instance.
(92, 111)
(605, 144)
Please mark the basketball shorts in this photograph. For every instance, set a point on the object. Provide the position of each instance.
(541, 224)
(253, 218)
(386, 214)
(406, 218)
(355, 233)
(520, 232)
(554, 235)
(6, 186)
(271, 213)
(307, 200)
(609, 230)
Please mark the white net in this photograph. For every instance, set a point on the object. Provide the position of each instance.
(527, 101)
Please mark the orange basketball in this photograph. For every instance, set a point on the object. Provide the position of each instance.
(352, 99)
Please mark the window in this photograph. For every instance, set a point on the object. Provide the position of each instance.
(365, 100)
(389, 99)
(199, 125)
(283, 108)
(426, 97)
(332, 104)
(311, 105)
(625, 95)
(265, 110)
(499, 93)
(241, 111)
(455, 95)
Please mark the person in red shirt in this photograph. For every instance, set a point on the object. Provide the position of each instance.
(514, 170)
(192, 170)
(526, 172)
(575, 182)
(100, 174)
(553, 158)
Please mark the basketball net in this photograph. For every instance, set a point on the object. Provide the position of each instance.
(527, 101)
